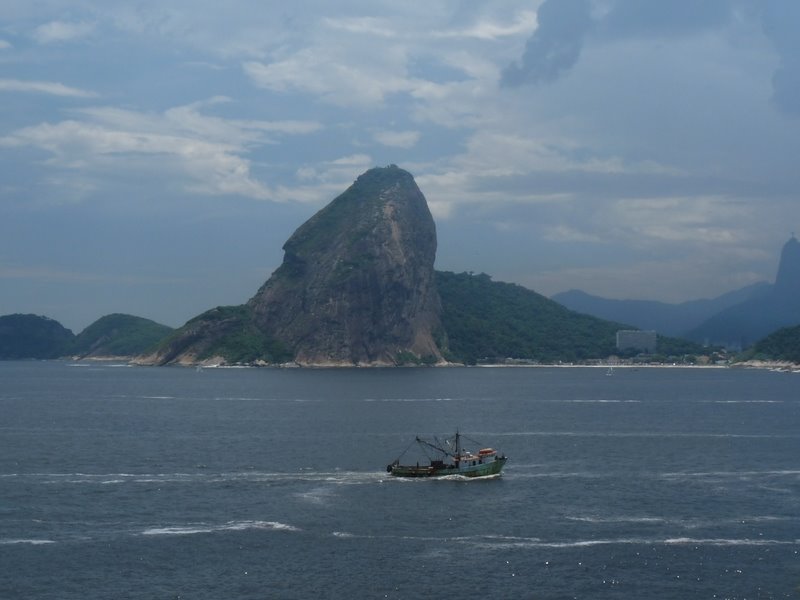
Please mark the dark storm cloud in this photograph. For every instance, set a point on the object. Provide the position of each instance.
(556, 44)
(781, 22)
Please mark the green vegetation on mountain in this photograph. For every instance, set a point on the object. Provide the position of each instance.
(488, 320)
(119, 335)
(235, 338)
(783, 345)
(32, 336)
(492, 321)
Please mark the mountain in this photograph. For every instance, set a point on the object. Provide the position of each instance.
(32, 336)
(119, 335)
(667, 319)
(356, 287)
(488, 320)
(782, 345)
(493, 321)
(755, 318)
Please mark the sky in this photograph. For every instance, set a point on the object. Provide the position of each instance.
(155, 156)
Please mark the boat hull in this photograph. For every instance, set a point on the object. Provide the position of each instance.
(485, 469)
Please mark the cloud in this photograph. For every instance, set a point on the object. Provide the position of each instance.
(362, 25)
(648, 18)
(397, 139)
(43, 87)
(488, 29)
(555, 45)
(208, 153)
(780, 20)
(4, 45)
(337, 79)
(563, 26)
(61, 31)
(53, 274)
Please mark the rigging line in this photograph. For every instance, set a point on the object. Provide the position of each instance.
(476, 442)
(406, 450)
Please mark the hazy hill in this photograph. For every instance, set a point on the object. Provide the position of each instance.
(491, 320)
(782, 345)
(667, 319)
(736, 319)
(756, 317)
(119, 335)
(32, 336)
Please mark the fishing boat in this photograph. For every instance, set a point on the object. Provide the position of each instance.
(452, 459)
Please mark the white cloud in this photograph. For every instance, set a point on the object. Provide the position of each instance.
(340, 80)
(4, 45)
(362, 25)
(524, 23)
(61, 31)
(43, 87)
(207, 152)
(397, 139)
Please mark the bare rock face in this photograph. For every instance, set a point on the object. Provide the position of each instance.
(356, 287)
(357, 281)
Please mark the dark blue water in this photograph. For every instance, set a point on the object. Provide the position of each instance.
(171, 483)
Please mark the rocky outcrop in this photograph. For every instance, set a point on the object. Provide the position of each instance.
(356, 287)
(357, 281)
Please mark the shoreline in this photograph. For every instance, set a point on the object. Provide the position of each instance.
(782, 366)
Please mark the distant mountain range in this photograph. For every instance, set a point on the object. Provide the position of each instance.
(736, 319)
(668, 319)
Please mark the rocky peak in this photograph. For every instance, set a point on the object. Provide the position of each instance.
(787, 281)
(356, 285)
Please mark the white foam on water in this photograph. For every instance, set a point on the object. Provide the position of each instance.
(267, 525)
(741, 401)
(592, 519)
(10, 542)
(596, 401)
(177, 530)
(727, 542)
(410, 399)
(342, 534)
(730, 474)
(230, 526)
(506, 543)
(318, 495)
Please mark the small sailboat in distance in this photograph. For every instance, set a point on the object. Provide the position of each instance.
(451, 460)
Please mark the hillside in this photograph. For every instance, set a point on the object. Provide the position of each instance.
(119, 335)
(33, 336)
(782, 345)
(488, 320)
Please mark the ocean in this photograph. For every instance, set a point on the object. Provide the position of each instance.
(135, 482)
